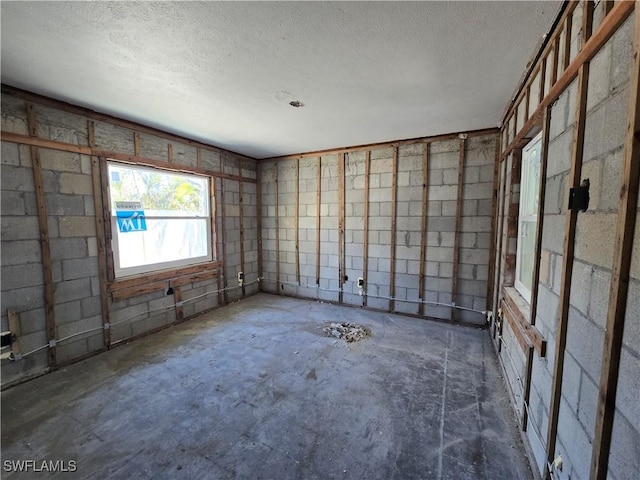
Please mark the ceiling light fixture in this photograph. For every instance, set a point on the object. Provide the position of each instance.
(296, 103)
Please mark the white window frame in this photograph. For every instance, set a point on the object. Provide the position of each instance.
(527, 189)
(123, 272)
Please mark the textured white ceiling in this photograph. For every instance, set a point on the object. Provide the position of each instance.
(225, 72)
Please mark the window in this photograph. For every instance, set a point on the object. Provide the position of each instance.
(159, 219)
(528, 216)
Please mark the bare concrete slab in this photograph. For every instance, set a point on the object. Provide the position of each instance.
(255, 390)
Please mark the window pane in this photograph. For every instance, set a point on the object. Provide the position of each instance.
(161, 193)
(527, 245)
(159, 219)
(165, 240)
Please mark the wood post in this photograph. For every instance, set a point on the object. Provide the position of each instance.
(423, 227)
(318, 204)
(502, 200)
(259, 222)
(341, 195)
(177, 299)
(365, 253)
(618, 290)
(571, 218)
(43, 225)
(277, 194)
(297, 220)
(100, 209)
(136, 143)
(223, 242)
(456, 240)
(394, 208)
(241, 213)
(544, 154)
(494, 226)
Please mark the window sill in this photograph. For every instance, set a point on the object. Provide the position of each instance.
(151, 282)
(517, 311)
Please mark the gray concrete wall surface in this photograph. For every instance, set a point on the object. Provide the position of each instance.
(607, 106)
(69, 200)
(474, 237)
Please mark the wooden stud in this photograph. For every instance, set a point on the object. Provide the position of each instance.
(43, 225)
(527, 388)
(365, 253)
(556, 61)
(241, 195)
(297, 220)
(318, 204)
(259, 223)
(494, 227)
(199, 158)
(608, 5)
(567, 42)
(277, 220)
(527, 100)
(394, 211)
(544, 154)
(177, 299)
(341, 195)
(170, 152)
(618, 290)
(215, 236)
(136, 144)
(456, 240)
(423, 227)
(571, 218)
(14, 328)
(501, 219)
(223, 243)
(543, 80)
(98, 196)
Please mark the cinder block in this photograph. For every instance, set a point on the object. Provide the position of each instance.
(21, 275)
(443, 192)
(67, 291)
(67, 248)
(559, 159)
(10, 155)
(14, 115)
(60, 204)
(80, 268)
(599, 69)
(17, 178)
(77, 226)
(595, 238)
(19, 228)
(621, 55)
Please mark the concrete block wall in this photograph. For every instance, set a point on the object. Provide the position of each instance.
(69, 201)
(475, 226)
(607, 104)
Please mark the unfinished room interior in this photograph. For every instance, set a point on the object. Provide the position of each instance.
(320, 240)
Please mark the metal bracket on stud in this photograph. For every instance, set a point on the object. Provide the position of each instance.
(579, 197)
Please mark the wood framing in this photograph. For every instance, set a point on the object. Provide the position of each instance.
(297, 220)
(45, 247)
(170, 152)
(527, 389)
(259, 223)
(96, 176)
(223, 242)
(423, 226)
(277, 224)
(215, 237)
(365, 253)
(241, 219)
(456, 239)
(14, 328)
(177, 300)
(68, 147)
(101, 117)
(500, 265)
(544, 154)
(341, 195)
(618, 291)
(318, 205)
(136, 141)
(394, 211)
(494, 226)
(571, 218)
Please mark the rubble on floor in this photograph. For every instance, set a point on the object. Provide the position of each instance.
(347, 331)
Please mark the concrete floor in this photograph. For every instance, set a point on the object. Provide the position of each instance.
(255, 391)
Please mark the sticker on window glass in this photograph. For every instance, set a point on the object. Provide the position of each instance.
(130, 217)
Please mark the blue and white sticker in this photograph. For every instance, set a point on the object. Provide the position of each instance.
(130, 217)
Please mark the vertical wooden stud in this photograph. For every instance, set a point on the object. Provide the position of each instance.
(527, 388)
(567, 42)
(259, 223)
(544, 154)
(177, 300)
(341, 195)
(543, 79)
(170, 152)
(394, 208)
(100, 208)
(365, 253)
(556, 61)
(618, 291)
(45, 246)
(571, 218)
(241, 195)
(297, 220)
(275, 179)
(215, 236)
(199, 157)
(318, 204)
(14, 327)
(423, 227)
(500, 235)
(223, 242)
(494, 226)
(456, 239)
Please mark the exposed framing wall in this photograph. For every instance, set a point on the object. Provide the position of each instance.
(578, 91)
(57, 268)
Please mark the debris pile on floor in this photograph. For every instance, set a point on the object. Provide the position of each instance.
(349, 332)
